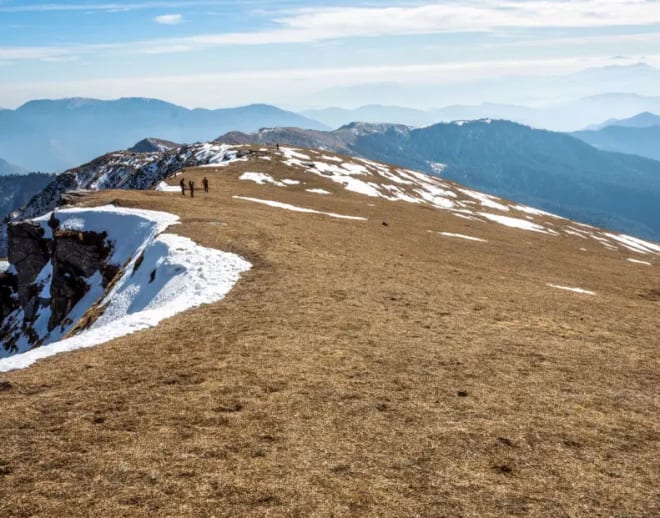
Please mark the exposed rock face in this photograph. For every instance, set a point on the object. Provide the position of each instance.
(8, 294)
(76, 256)
(28, 252)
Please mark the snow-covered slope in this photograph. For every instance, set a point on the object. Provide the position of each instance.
(158, 276)
(377, 180)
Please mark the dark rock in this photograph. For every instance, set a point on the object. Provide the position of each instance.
(29, 253)
(503, 468)
(8, 294)
(76, 256)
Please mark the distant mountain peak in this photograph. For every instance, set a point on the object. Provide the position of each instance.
(152, 145)
(10, 169)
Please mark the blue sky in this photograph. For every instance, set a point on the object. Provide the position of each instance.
(302, 54)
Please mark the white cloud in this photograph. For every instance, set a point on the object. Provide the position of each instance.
(317, 24)
(110, 7)
(280, 85)
(467, 15)
(169, 19)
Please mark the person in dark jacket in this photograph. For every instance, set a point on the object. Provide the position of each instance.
(191, 186)
(182, 183)
(205, 183)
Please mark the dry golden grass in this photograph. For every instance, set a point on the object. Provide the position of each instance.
(357, 370)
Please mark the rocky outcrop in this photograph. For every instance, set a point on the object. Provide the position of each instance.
(51, 276)
(8, 294)
(29, 251)
(76, 256)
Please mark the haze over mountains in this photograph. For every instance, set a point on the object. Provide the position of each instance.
(7, 169)
(638, 135)
(54, 135)
(564, 116)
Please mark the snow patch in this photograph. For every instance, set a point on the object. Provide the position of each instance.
(568, 288)
(462, 236)
(486, 200)
(515, 222)
(286, 206)
(289, 152)
(163, 187)
(637, 261)
(4, 265)
(318, 191)
(535, 212)
(635, 244)
(437, 167)
(260, 178)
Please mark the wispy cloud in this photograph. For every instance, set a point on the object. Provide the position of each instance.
(26, 7)
(169, 19)
(315, 24)
(473, 15)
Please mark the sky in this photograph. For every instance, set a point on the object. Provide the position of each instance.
(300, 54)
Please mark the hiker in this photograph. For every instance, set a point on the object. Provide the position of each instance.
(191, 186)
(182, 183)
(277, 146)
(205, 183)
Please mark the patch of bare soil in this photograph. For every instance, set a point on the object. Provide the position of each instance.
(359, 369)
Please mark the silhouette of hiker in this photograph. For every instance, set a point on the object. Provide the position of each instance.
(182, 183)
(205, 183)
(191, 186)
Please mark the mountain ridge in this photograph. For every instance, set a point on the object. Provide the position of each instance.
(552, 171)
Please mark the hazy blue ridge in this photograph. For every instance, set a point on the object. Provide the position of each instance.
(55, 135)
(643, 141)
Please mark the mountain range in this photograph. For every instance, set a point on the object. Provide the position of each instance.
(552, 171)
(562, 116)
(638, 135)
(54, 135)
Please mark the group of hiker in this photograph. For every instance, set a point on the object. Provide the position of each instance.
(191, 186)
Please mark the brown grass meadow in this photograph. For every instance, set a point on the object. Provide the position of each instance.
(359, 369)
